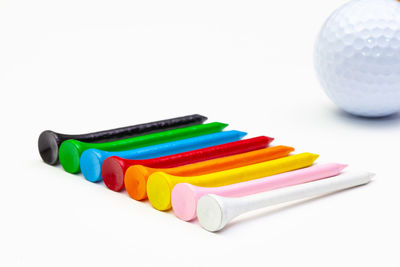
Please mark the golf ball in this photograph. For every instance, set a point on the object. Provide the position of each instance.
(357, 57)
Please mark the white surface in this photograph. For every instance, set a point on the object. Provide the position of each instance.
(103, 64)
(358, 57)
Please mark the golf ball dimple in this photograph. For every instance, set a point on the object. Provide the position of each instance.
(357, 57)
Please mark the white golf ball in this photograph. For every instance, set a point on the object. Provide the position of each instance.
(357, 57)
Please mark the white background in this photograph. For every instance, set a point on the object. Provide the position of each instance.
(80, 66)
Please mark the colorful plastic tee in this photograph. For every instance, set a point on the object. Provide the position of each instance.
(214, 212)
(160, 185)
(114, 168)
(184, 196)
(92, 159)
(136, 176)
(71, 150)
(49, 141)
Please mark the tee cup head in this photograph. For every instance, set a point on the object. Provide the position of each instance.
(70, 153)
(184, 201)
(112, 172)
(48, 144)
(210, 212)
(159, 190)
(90, 162)
(135, 181)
